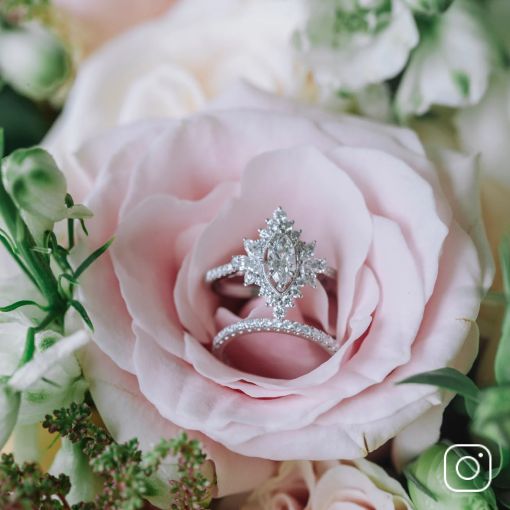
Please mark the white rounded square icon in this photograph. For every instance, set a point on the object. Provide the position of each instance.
(455, 481)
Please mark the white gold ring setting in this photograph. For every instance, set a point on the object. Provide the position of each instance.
(280, 264)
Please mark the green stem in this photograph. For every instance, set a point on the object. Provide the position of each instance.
(35, 262)
(11, 250)
(28, 352)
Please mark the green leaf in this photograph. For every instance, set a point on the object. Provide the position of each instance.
(492, 416)
(448, 379)
(411, 478)
(83, 227)
(502, 361)
(29, 350)
(91, 258)
(83, 313)
(69, 278)
(9, 246)
(19, 304)
(504, 460)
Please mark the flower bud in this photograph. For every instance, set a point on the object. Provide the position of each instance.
(492, 415)
(429, 7)
(439, 470)
(35, 184)
(32, 60)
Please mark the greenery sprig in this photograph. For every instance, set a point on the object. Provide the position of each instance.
(33, 196)
(126, 472)
(27, 487)
(192, 489)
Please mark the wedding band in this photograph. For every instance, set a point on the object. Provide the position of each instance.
(247, 326)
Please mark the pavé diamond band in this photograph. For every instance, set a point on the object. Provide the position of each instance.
(248, 326)
(279, 263)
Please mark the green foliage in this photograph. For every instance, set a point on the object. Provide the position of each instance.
(40, 255)
(75, 423)
(27, 487)
(452, 380)
(192, 490)
(126, 471)
(492, 416)
(435, 471)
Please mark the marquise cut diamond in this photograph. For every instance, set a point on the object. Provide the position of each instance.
(280, 263)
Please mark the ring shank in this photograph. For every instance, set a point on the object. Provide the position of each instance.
(227, 281)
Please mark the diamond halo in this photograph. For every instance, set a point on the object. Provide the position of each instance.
(279, 263)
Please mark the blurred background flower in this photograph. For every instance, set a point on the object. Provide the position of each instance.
(174, 65)
(327, 486)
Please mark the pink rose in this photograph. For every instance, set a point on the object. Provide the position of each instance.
(405, 236)
(306, 485)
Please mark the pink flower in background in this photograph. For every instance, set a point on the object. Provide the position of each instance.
(309, 485)
(404, 234)
(97, 21)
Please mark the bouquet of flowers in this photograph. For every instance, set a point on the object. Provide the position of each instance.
(254, 254)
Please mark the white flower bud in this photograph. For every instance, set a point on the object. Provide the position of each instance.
(36, 185)
(32, 60)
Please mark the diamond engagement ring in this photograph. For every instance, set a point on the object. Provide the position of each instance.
(279, 263)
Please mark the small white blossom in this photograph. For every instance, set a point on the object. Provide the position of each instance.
(452, 64)
(353, 43)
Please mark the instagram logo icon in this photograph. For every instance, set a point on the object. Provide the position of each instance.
(462, 470)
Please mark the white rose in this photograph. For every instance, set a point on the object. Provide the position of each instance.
(452, 64)
(306, 485)
(348, 44)
(174, 65)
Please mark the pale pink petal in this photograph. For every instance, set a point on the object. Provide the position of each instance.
(393, 190)
(116, 394)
